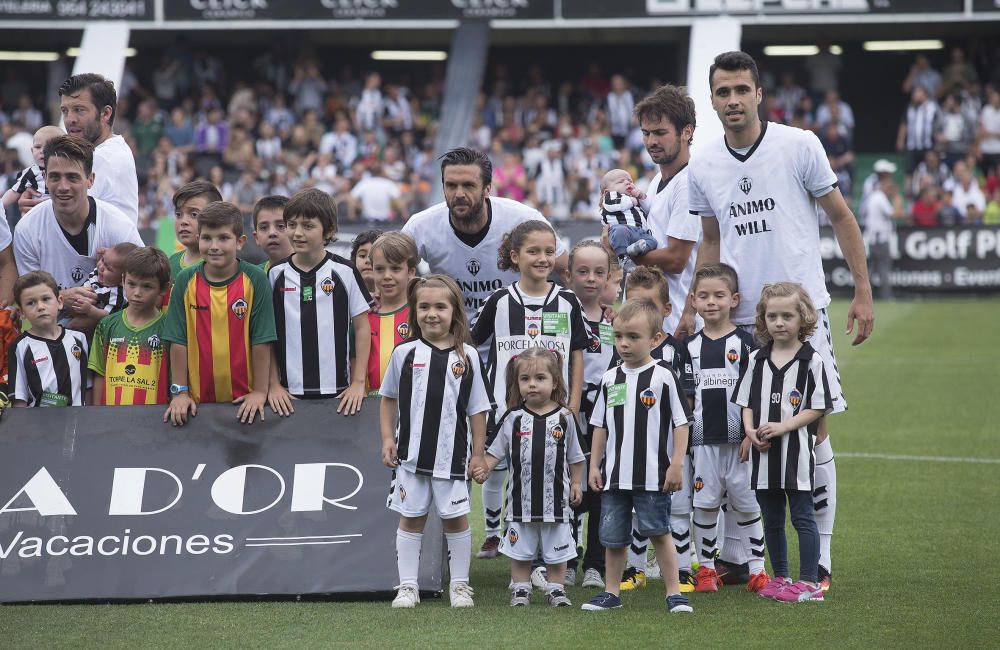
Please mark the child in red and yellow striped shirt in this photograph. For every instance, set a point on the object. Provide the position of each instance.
(394, 260)
(220, 324)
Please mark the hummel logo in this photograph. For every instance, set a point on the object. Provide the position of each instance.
(460, 501)
(560, 548)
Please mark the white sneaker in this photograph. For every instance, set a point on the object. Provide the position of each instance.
(570, 578)
(460, 595)
(520, 597)
(557, 598)
(407, 597)
(652, 569)
(539, 578)
(592, 578)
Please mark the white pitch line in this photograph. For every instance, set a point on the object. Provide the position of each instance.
(929, 459)
(337, 541)
(268, 539)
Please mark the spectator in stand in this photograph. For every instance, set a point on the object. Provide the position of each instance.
(932, 170)
(166, 82)
(918, 128)
(840, 152)
(922, 75)
(268, 145)
(510, 180)
(308, 87)
(280, 116)
(375, 197)
(27, 114)
(881, 170)
(991, 216)
(789, 94)
(989, 130)
(836, 111)
(823, 68)
(958, 73)
(948, 215)
(212, 135)
(340, 142)
(147, 129)
(619, 106)
(370, 106)
(967, 197)
(180, 130)
(550, 182)
(958, 132)
(924, 212)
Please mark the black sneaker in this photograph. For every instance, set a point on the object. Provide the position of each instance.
(602, 601)
(678, 604)
(732, 574)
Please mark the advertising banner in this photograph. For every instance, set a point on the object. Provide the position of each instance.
(107, 503)
(927, 260)
(682, 8)
(356, 9)
(77, 10)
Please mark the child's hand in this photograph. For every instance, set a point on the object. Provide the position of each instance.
(280, 400)
(770, 430)
(177, 411)
(481, 475)
(634, 191)
(389, 457)
(672, 482)
(251, 405)
(755, 440)
(745, 450)
(575, 495)
(350, 399)
(478, 467)
(595, 480)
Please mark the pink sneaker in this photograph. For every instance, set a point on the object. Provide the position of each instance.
(774, 587)
(800, 592)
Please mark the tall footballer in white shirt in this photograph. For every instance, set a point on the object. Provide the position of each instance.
(756, 190)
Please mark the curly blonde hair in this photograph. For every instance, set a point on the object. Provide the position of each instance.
(807, 312)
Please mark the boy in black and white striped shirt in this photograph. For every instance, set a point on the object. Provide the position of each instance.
(48, 364)
(623, 212)
(639, 408)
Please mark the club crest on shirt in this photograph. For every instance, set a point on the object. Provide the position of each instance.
(153, 342)
(76, 350)
(326, 286)
(532, 330)
(732, 355)
(403, 329)
(794, 398)
(77, 273)
(458, 369)
(698, 484)
(595, 344)
(512, 536)
(746, 184)
(473, 267)
(239, 308)
(648, 398)
(557, 432)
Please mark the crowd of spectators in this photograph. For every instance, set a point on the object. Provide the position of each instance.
(368, 139)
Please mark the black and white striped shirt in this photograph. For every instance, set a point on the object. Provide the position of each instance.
(437, 391)
(312, 313)
(921, 122)
(620, 112)
(639, 407)
(513, 322)
(541, 447)
(715, 365)
(45, 372)
(622, 209)
(110, 299)
(776, 395)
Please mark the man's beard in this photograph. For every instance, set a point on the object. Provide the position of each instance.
(666, 157)
(474, 214)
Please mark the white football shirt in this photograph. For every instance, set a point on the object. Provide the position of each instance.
(669, 216)
(474, 268)
(115, 179)
(765, 201)
(40, 245)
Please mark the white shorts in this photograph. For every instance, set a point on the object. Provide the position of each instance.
(718, 472)
(822, 342)
(680, 501)
(410, 495)
(522, 541)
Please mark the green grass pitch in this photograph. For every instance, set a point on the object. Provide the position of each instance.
(915, 546)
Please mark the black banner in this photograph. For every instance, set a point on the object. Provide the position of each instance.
(356, 9)
(692, 8)
(110, 503)
(927, 260)
(77, 9)
(986, 5)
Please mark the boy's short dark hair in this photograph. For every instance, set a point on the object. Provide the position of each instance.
(148, 262)
(721, 271)
(312, 203)
(270, 202)
(220, 214)
(364, 237)
(200, 187)
(33, 279)
(71, 148)
(647, 277)
(733, 62)
(124, 248)
(102, 91)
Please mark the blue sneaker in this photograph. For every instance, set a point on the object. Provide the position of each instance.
(678, 604)
(603, 601)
